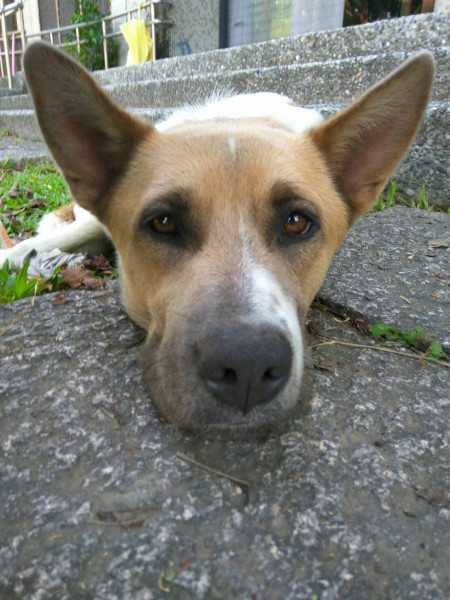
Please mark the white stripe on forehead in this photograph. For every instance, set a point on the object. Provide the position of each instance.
(232, 146)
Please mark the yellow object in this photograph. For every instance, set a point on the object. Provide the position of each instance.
(138, 39)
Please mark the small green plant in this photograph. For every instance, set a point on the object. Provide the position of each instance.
(387, 200)
(29, 194)
(91, 51)
(415, 337)
(390, 199)
(15, 286)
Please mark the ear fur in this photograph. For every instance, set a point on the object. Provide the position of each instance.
(91, 138)
(365, 142)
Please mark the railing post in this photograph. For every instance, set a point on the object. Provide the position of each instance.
(6, 45)
(77, 34)
(22, 30)
(51, 38)
(105, 44)
(152, 20)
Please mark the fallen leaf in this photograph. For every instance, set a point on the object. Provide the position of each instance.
(37, 203)
(323, 366)
(314, 328)
(440, 296)
(368, 298)
(434, 497)
(73, 276)
(60, 300)
(360, 325)
(117, 417)
(437, 244)
(186, 562)
(96, 263)
(79, 275)
(124, 518)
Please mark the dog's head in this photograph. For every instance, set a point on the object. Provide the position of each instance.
(225, 228)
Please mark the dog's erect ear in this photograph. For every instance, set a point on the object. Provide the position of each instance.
(364, 143)
(91, 138)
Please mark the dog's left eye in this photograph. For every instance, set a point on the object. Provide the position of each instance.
(297, 224)
(163, 224)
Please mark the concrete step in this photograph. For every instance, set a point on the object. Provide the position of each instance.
(23, 123)
(18, 85)
(318, 82)
(338, 80)
(428, 31)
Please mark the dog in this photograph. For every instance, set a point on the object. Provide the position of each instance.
(225, 219)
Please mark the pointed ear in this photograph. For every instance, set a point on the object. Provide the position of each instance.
(91, 138)
(365, 142)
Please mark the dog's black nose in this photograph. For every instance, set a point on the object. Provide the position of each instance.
(245, 366)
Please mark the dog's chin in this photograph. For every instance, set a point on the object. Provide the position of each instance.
(185, 402)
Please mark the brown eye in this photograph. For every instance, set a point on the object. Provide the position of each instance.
(164, 224)
(297, 224)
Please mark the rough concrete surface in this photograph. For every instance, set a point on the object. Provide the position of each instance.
(394, 268)
(350, 501)
(21, 152)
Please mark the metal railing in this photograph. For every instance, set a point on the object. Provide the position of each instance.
(56, 34)
(5, 11)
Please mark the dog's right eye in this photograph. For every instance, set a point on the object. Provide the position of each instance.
(163, 224)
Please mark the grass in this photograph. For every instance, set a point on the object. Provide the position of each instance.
(417, 338)
(390, 198)
(26, 196)
(15, 286)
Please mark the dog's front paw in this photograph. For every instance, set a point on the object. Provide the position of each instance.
(4, 256)
(15, 255)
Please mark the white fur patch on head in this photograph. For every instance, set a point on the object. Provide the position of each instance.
(265, 105)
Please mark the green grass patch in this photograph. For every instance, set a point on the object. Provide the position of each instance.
(15, 286)
(390, 198)
(417, 338)
(26, 196)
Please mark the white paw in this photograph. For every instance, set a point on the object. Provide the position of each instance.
(16, 255)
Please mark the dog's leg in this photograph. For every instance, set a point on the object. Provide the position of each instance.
(84, 234)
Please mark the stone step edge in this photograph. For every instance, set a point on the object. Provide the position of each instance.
(259, 54)
(441, 55)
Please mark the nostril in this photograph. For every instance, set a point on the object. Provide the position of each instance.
(230, 376)
(270, 375)
(219, 374)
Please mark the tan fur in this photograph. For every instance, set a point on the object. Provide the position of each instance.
(121, 169)
(65, 213)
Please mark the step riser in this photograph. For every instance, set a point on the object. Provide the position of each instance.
(425, 165)
(411, 33)
(319, 83)
(316, 83)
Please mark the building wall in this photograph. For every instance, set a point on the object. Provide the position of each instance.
(195, 29)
